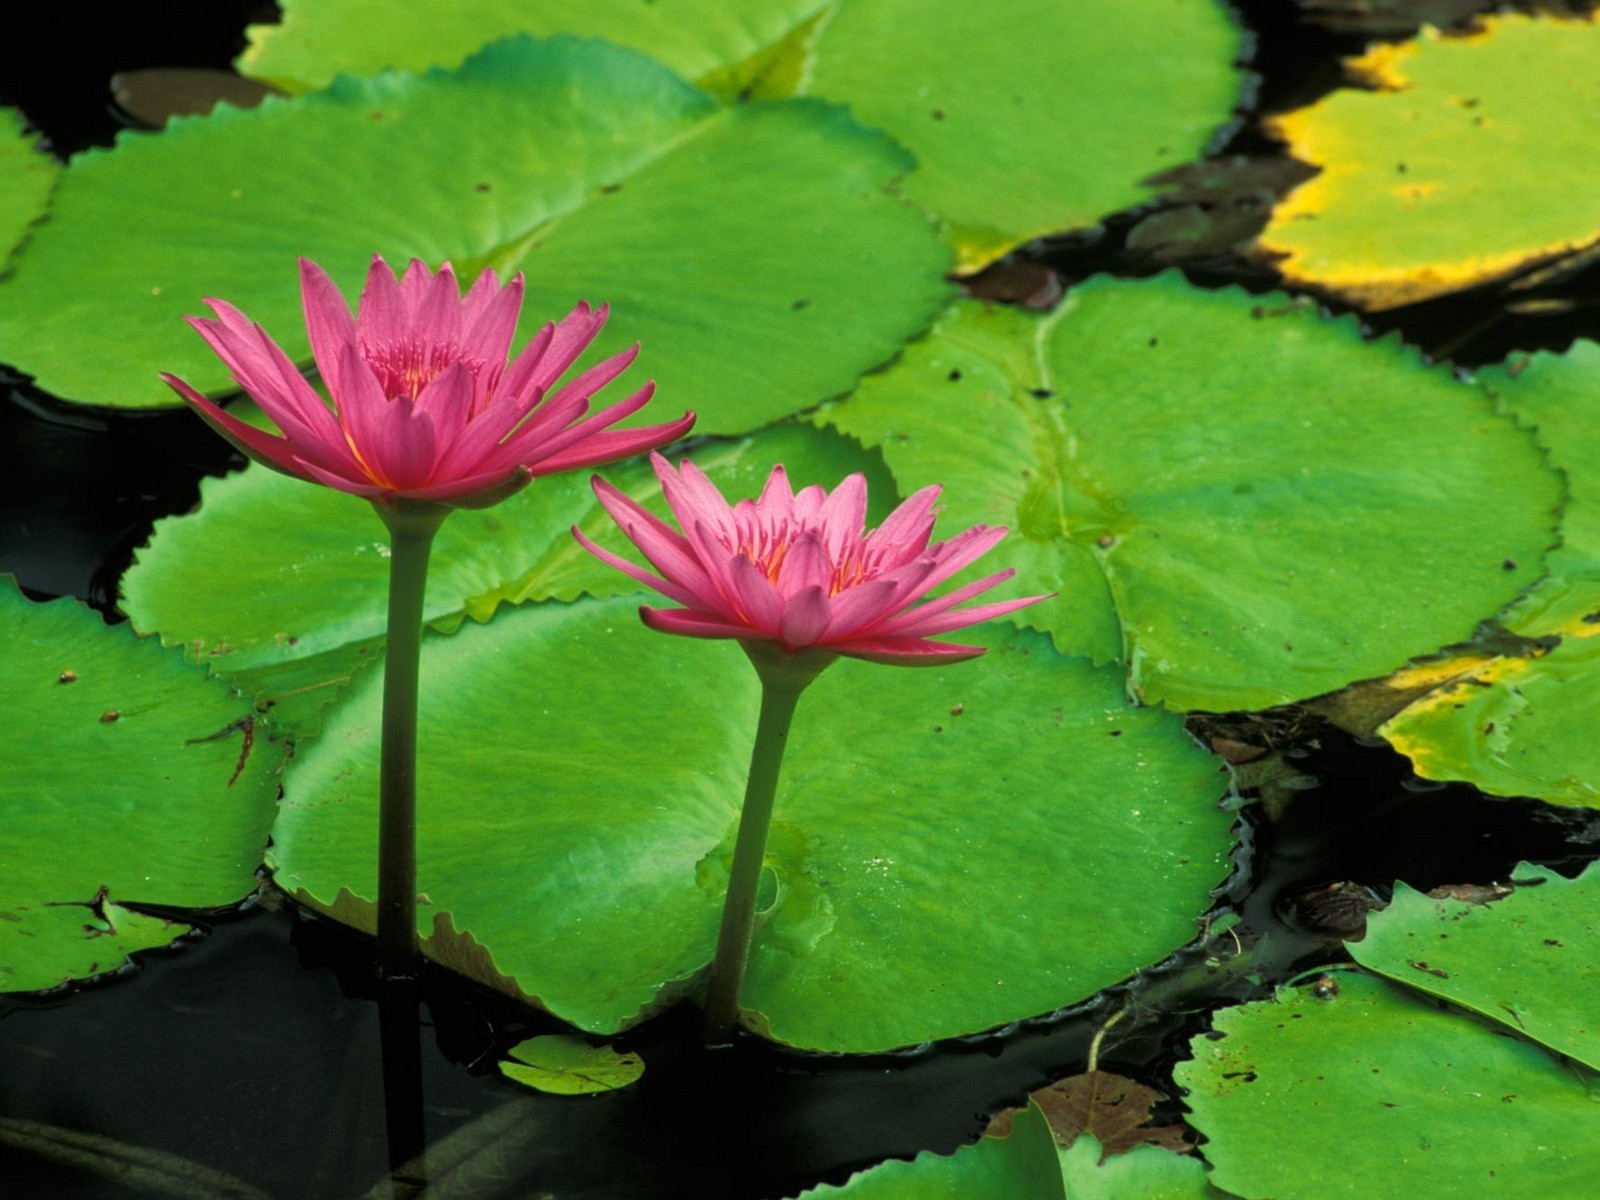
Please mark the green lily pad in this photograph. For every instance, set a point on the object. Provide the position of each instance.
(928, 72)
(1469, 161)
(1242, 497)
(1019, 1166)
(27, 176)
(570, 1066)
(1513, 725)
(1143, 1173)
(608, 203)
(953, 848)
(137, 782)
(952, 82)
(1518, 961)
(271, 571)
(706, 42)
(1429, 1101)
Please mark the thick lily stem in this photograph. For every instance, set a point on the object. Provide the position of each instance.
(783, 678)
(411, 530)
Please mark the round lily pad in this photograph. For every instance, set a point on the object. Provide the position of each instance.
(271, 570)
(1247, 500)
(926, 71)
(707, 41)
(570, 1066)
(1428, 1101)
(953, 848)
(1469, 158)
(139, 780)
(608, 203)
(26, 177)
(1517, 960)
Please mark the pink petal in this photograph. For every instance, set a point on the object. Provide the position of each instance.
(909, 526)
(447, 403)
(380, 314)
(694, 624)
(927, 626)
(806, 565)
(757, 599)
(909, 652)
(364, 411)
(263, 447)
(844, 513)
(695, 501)
(328, 321)
(860, 607)
(962, 550)
(805, 616)
(568, 339)
(654, 582)
(667, 550)
(776, 502)
(436, 319)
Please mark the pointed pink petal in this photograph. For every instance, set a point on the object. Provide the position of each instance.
(436, 320)
(928, 626)
(808, 504)
(257, 444)
(909, 526)
(654, 582)
(694, 624)
(962, 550)
(776, 502)
(364, 411)
(950, 599)
(447, 403)
(489, 327)
(380, 313)
(416, 281)
(805, 616)
(695, 501)
(909, 652)
(568, 339)
(667, 550)
(480, 297)
(844, 513)
(328, 321)
(479, 444)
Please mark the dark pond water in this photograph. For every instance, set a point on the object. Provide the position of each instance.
(258, 1048)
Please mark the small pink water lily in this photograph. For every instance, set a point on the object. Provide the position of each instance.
(798, 570)
(425, 406)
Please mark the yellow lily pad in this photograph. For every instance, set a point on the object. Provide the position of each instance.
(1471, 158)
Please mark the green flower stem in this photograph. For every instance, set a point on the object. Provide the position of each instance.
(783, 677)
(411, 530)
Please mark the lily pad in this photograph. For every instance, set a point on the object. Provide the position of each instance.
(1513, 724)
(1020, 1165)
(138, 782)
(1517, 961)
(570, 1066)
(1143, 1173)
(706, 41)
(1470, 159)
(271, 571)
(28, 178)
(1430, 1101)
(977, 92)
(608, 203)
(953, 848)
(1243, 498)
(926, 71)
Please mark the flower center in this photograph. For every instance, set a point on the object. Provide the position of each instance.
(404, 368)
(768, 548)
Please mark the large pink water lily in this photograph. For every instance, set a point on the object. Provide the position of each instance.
(800, 571)
(425, 406)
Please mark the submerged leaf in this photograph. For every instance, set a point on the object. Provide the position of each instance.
(570, 1066)
(1114, 1109)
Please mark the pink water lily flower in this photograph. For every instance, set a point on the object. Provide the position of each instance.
(799, 570)
(425, 406)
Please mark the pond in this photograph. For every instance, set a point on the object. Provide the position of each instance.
(1302, 545)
